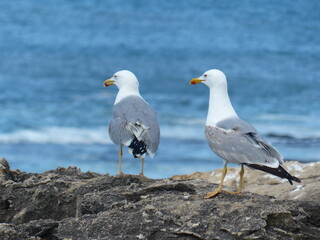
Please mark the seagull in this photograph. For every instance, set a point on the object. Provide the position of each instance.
(233, 139)
(134, 124)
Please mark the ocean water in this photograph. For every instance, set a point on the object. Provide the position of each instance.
(54, 57)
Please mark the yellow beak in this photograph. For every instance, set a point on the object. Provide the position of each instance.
(108, 82)
(196, 80)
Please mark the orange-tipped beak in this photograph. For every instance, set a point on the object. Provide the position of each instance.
(196, 80)
(108, 82)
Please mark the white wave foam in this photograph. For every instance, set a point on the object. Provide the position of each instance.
(298, 132)
(297, 126)
(57, 135)
(99, 135)
(190, 130)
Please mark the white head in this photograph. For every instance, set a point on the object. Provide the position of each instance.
(123, 79)
(220, 107)
(212, 78)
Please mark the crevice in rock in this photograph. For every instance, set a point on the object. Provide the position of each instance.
(171, 235)
(189, 235)
(282, 220)
(179, 187)
(5, 204)
(44, 231)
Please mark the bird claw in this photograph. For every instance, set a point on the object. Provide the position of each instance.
(237, 192)
(212, 194)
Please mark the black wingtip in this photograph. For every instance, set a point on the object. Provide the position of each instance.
(290, 177)
(279, 172)
(296, 179)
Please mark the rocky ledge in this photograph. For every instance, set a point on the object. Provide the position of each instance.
(267, 184)
(68, 204)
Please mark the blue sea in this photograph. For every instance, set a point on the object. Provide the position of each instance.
(55, 55)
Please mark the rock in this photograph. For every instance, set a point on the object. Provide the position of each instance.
(68, 204)
(4, 169)
(263, 183)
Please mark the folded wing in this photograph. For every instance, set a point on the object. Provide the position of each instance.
(134, 124)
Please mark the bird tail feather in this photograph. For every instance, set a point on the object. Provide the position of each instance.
(279, 172)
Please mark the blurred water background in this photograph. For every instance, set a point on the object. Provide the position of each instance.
(54, 56)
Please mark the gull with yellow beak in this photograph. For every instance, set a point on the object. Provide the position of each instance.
(134, 124)
(233, 139)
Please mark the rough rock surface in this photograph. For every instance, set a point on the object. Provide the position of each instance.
(263, 183)
(68, 204)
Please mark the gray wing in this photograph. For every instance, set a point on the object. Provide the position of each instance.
(133, 117)
(237, 141)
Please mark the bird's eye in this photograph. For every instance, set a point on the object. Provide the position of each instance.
(115, 76)
(205, 75)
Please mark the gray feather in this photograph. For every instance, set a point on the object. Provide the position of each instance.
(236, 124)
(237, 141)
(133, 117)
